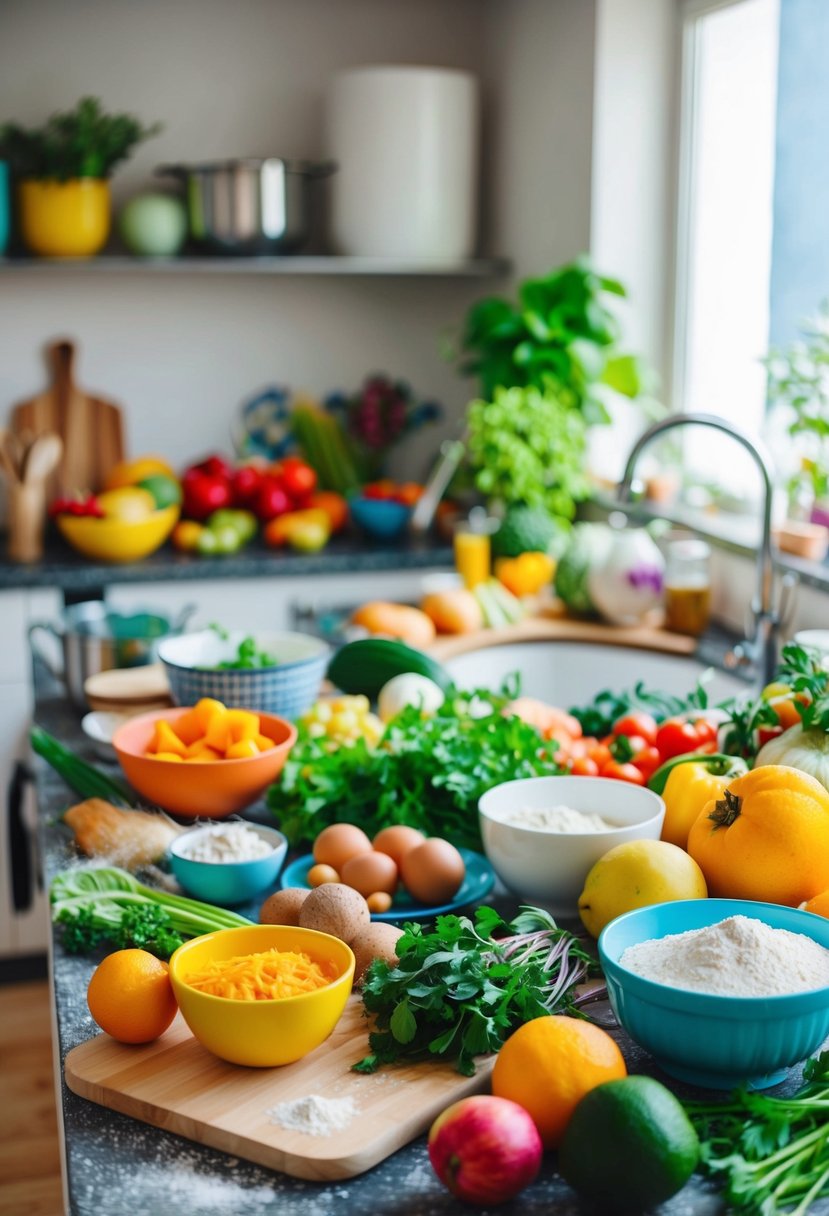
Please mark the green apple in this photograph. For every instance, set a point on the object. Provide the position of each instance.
(153, 225)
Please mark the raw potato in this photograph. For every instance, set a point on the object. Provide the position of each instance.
(282, 908)
(336, 909)
(379, 940)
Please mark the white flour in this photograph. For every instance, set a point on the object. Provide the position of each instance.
(556, 819)
(225, 842)
(314, 1115)
(739, 956)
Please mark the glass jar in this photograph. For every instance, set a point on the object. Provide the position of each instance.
(687, 586)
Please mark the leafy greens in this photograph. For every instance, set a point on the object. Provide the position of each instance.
(427, 773)
(459, 990)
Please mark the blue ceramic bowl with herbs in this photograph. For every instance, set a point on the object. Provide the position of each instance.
(714, 1041)
(272, 673)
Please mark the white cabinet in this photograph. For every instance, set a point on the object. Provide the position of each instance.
(23, 908)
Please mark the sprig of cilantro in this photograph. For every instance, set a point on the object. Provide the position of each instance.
(459, 990)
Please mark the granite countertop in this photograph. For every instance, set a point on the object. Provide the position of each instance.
(349, 554)
(122, 1167)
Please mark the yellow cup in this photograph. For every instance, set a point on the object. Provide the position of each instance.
(65, 219)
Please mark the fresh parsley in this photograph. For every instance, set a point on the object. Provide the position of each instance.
(770, 1154)
(460, 989)
(427, 773)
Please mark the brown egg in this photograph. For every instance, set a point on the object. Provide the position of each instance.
(433, 872)
(336, 843)
(397, 840)
(370, 872)
(317, 875)
(378, 901)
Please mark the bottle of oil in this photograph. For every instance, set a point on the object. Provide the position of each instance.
(687, 587)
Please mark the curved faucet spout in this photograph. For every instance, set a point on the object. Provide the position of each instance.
(765, 617)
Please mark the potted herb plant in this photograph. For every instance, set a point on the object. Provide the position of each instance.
(61, 171)
(560, 333)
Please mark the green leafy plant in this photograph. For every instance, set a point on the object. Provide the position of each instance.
(560, 333)
(527, 445)
(460, 990)
(798, 382)
(83, 142)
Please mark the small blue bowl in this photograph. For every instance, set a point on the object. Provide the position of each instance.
(718, 1042)
(380, 517)
(227, 882)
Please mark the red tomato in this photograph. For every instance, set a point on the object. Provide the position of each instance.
(409, 493)
(637, 723)
(647, 761)
(246, 482)
(203, 493)
(624, 772)
(298, 479)
(271, 500)
(680, 735)
(380, 489)
(584, 767)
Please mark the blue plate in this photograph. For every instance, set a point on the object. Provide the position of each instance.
(479, 881)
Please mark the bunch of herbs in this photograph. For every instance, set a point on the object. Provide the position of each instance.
(83, 142)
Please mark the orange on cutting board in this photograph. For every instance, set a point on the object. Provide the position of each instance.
(130, 996)
(549, 1064)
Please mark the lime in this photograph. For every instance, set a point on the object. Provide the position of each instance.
(628, 1146)
(165, 490)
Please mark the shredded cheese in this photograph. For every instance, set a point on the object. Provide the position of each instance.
(270, 975)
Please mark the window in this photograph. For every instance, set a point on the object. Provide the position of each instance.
(726, 228)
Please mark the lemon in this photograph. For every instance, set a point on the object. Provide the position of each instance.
(629, 1146)
(634, 875)
(130, 472)
(127, 504)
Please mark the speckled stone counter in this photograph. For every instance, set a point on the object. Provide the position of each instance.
(61, 567)
(117, 1166)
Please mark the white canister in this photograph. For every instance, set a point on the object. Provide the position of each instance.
(406, 143)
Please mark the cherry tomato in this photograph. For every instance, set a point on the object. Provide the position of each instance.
(380, 489)
(584, 767)
(637, 723)
(680, 735)
(600, 754)
(623, 772)
(298, 479)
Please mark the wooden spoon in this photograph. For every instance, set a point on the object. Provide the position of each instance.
(7, 458)
(41, 457)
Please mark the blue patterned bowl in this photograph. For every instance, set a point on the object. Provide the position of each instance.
(717, 1042)
(286, 689)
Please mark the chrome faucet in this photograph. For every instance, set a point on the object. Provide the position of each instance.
(761, 649)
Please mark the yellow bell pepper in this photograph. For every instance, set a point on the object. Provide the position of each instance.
(527, 573)
(686, 784)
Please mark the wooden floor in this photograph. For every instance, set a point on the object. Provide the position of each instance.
(30, 1181)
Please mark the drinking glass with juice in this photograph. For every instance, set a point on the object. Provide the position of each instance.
(473, 550)
(688, 587)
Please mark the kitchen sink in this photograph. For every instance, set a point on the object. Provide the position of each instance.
(572, 673)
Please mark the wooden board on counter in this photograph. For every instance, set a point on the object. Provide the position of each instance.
(178, 1085)
(549, 624)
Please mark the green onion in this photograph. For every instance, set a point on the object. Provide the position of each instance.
(85, 779)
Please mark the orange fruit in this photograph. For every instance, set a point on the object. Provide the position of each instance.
(549, 1064)
(766, 837)
(130, 996)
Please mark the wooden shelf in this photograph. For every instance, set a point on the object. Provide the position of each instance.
(320, 265)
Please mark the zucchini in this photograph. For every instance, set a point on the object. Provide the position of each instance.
(366, 665)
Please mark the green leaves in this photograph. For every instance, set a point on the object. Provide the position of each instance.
(427, 772)
(84, 142)
(460, 990)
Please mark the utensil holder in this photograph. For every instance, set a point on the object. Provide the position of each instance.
(27, 521)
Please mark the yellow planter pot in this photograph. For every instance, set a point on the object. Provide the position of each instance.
(65, 219)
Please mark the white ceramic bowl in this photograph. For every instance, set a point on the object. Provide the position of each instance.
(550, 867)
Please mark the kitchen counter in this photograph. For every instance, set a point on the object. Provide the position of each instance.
(122, 1167)
(62, 567)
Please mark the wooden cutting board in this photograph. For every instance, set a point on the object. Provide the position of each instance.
(91, 427)
(178, 1085)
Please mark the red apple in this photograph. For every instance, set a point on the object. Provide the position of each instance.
(203, 494)
(216, 466)
(271, 500)
(485, 1149)
(246, 482)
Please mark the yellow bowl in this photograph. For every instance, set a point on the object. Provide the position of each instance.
(114, 540)
(262, 1034)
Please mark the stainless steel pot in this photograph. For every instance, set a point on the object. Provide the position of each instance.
(251, 205)
(92, 638)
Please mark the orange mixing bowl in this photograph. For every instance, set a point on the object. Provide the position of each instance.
(200, 791)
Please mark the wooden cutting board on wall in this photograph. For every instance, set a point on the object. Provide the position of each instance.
(92, 428)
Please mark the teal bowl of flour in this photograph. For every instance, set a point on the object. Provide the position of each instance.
(708, 1039)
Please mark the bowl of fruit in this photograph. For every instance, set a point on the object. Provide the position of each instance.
(383, 509)
(203, 761)
(121, 525)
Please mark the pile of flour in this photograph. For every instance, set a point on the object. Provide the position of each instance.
(739, 956)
